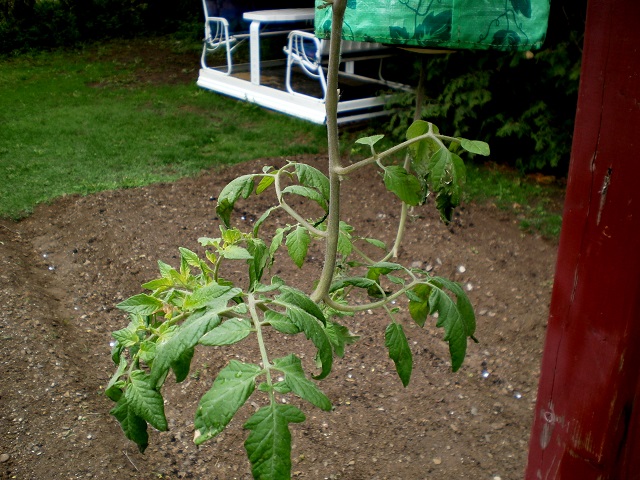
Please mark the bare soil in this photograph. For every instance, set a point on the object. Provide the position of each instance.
(64, 268)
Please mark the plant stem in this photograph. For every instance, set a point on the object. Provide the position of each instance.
(285, 206)
(417, 114)
(251, 300)
(333, 94)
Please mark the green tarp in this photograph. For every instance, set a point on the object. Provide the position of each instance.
(444, 24)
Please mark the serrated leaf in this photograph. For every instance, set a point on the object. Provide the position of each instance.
(276, 241)
(376, 243)
(307, 192)
(339, 336)
(263, 217)
(475, 146)
(133, 426)
(241, 186)
(230, 332)
(265, 183)
(115, 393)
(281, 322)
(234, 252)
(165, 269)
(302, 300)
(157, 283)
(213, 296)
(421, 151)
(345, 247)
(458, 321)
(141, 304)
(447, 174)
(312, 177)
(269, 443)
(182, 364)
(404, 185)
(145, 400)
(298, 244)
(260, 258)
(359, 282)
(186, 337)
(190, 257)
(371, 141)
(419, 303)
(399, 351)
(127, 337)
(232, 387)
(299, 383)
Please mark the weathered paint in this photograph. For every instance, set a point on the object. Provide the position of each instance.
(588, 414)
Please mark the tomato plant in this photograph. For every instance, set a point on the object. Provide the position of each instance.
(194, 305)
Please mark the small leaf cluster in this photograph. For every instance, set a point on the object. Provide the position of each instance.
(195, 305)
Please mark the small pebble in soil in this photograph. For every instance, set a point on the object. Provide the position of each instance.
(437, 461)
(51, 268)
(462, 269)
(4, 457)
(517, 395)
(485, 373)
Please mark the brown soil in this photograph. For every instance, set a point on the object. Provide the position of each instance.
(64, 268)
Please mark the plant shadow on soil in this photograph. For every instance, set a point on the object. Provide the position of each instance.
(65, 267)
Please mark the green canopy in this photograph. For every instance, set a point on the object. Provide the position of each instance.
(517, 25)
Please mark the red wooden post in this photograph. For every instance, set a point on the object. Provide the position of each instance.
(587, 417)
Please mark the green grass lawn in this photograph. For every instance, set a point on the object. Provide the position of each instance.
(89, 120)
(72, 124)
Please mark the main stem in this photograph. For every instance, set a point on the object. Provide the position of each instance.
(331, 105)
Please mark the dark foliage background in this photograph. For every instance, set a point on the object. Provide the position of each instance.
(522, 104)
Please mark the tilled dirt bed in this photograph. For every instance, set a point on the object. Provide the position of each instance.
(64, 268)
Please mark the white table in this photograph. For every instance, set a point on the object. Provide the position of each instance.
(270, 16)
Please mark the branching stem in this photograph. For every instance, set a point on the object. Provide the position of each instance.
(251, 301)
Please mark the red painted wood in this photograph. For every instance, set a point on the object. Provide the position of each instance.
(587, 416)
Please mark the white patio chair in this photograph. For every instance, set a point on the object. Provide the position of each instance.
(216, 36)
(306, 51)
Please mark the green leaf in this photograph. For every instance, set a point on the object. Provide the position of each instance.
(312, 177)
(404, 185)
(115, 393)
(234, 252)
(190, 257)
(475, 146)
(299, 383)
(457, 318)
(359, 282)
(376, 243)
(145, 400)
(314, 332)
(307, 192)
(399, 351)
(269, 443)
(157, 283)
(182, 364)
(230, 332)
(371, 141)
(213, 296)
(127, 337)
(172, 351)
(241, 186)
(419, 303)
(259, 259)
(232, 387)
(339, 336)
(281, 322)
(263, 217)
(141, 304)
(165, 270)
(133, 426)
(302, 300)
(298, 244)
(421, 151)
(265, 183)
(276, 241)
(447, 174)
